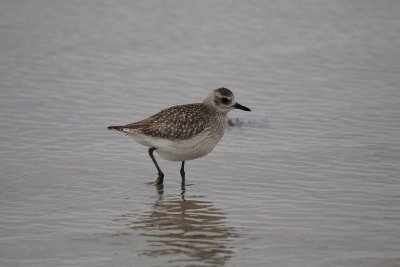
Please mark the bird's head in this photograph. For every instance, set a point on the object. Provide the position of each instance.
(223, 100)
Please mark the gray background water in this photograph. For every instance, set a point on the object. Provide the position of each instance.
(311, 178)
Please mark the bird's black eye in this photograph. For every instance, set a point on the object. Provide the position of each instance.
(224, 100)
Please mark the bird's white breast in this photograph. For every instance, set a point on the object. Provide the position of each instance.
(180, 150)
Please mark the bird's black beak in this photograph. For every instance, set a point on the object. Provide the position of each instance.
(238, 106)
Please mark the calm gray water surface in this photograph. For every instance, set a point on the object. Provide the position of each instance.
(310, 178)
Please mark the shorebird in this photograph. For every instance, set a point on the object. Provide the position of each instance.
(184, 132)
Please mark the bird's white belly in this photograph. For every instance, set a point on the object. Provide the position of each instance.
(180, 150)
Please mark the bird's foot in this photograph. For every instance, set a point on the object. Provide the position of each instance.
(160, 179)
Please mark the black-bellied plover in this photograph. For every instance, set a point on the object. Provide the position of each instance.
(184, 132)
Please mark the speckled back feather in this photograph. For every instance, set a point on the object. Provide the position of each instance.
(177, 122)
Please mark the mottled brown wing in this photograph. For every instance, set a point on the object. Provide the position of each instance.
(178, 122)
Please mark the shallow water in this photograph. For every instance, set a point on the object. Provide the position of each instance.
(310, 177)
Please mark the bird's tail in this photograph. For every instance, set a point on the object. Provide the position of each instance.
(118, 128)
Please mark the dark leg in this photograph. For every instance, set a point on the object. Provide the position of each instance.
(160, 178)
(183, 190)
(183, 172)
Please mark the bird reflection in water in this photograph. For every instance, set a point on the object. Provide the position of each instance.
(187, 230)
